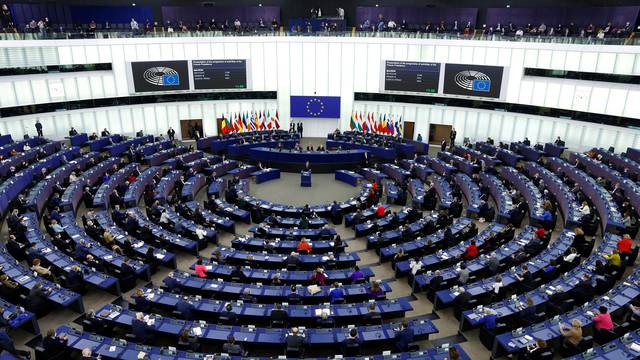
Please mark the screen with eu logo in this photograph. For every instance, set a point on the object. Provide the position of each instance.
(473, 80)
(327, 107)
(151, 76)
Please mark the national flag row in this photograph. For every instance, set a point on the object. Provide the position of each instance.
(386, 124)
(249, 121)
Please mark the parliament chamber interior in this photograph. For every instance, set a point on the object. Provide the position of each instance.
(337, 179)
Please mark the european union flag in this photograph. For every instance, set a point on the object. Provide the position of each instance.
(315, 107)
(482, 85)
(171, 79)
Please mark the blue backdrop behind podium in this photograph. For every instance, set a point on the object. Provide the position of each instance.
(327, 107)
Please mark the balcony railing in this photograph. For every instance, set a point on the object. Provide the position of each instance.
(477, 36)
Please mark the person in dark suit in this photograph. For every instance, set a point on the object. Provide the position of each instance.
(295, 342)
(443, 145)
(73, 131)
(37, 301)
(404, 337)
(6, 343)
(278, 315)
(186, 308)
(39, 128)
(171, 133)
(55, 346)
(452, 137)
(142, 331)
(105, 132)
(555, 304)
(461, 301)
(352, 341)
(372, 317)
(228, 314)
(75, 280)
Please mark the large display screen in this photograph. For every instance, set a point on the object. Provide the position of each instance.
(473, 80)
(219, 74)
(422, 77)
(151, 76)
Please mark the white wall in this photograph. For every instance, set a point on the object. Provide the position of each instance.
(504, 126)
(328, 66)
(127, 120)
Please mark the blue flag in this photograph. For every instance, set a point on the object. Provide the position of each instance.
(315, 107)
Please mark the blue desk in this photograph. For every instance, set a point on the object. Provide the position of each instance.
(78, 140)
(6, 148)
(160, 157)
(540, 295)
(280, 246)
(267, 294)
(243, 171)
(567, 201)
(266, 175)
(395, 172)
(477, 265)
(536, 264)
(183, 159)
(63, 262)
(164, 236)
(192, 186)
(277, 156)
(384, 153)
(443, 188)
(630, 168)
(129, 351)
(239, 150)
(529, 191)
(109, 257)
(619, 348)
(615, 300)
(500, 195)
(323, 210)
(135, 191)
(232, 211)
(599, 196)
(274, 232)
(101, 199)
(221, 223)
(349, 177)
(305, 178)
(166, 185)
(373, 175)
(276, 261)
(471, 192)
(295, 277)
(597, 169)
(73, 194)
(213, 333)
(28, 156)
(462, 164)
(103, 142)
(26, 281)
(417, 245)
(421, 170)
(120, 147)
(489, 161)
(40, 193)
(528, 152)
(441, 167)
(553, 150)
(164, 257)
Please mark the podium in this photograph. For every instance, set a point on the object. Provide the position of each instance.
(305, 178)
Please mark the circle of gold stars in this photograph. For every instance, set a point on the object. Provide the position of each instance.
(316, 101)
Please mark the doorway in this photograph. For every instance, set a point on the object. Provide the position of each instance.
(438, 132)
(188, 127)
(407, 132)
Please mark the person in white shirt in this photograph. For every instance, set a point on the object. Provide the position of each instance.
(584, 209)
(497, 285)
(391, 25)
(134, 25)
(164, 218)
(572, 255)
(200, 232)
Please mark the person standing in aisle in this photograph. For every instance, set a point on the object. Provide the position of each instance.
(39, 128)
